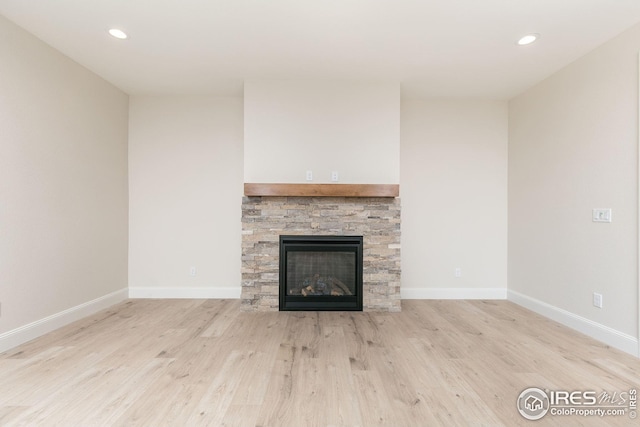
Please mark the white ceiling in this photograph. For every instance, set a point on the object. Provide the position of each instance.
(435, 48)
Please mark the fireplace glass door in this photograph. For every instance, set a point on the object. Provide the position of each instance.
(321, 273)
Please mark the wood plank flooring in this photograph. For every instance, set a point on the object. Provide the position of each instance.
(206, 363)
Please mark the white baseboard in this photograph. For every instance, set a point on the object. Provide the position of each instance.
(185, 292)
(40, 327)
(602, 333)
(453, 293)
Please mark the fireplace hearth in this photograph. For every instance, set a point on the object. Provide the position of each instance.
(320, 273)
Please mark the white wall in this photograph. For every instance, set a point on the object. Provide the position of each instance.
(63, 185)
(573, 146)
(346, 126)
(185, 187)
(185, 157)
(454, 198)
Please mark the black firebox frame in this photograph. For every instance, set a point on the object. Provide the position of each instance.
(325, 244)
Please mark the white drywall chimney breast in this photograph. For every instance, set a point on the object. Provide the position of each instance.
(294, 126)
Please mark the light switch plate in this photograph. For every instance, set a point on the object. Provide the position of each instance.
(602, 215)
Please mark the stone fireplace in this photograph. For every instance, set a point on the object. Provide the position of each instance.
(266, 218)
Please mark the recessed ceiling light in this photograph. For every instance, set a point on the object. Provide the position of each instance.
(528, 39)
(119, 34)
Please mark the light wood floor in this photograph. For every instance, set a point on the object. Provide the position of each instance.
(204, 362)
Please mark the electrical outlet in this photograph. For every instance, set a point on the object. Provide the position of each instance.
(597, 300)
(458, 272)
(309, 175)
(334, 176)
(192, 272)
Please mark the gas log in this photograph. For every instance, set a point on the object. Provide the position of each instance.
(317, 285)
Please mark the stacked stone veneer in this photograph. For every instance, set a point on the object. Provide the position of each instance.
(264, 219)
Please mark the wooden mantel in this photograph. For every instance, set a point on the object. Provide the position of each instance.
(322, 190)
